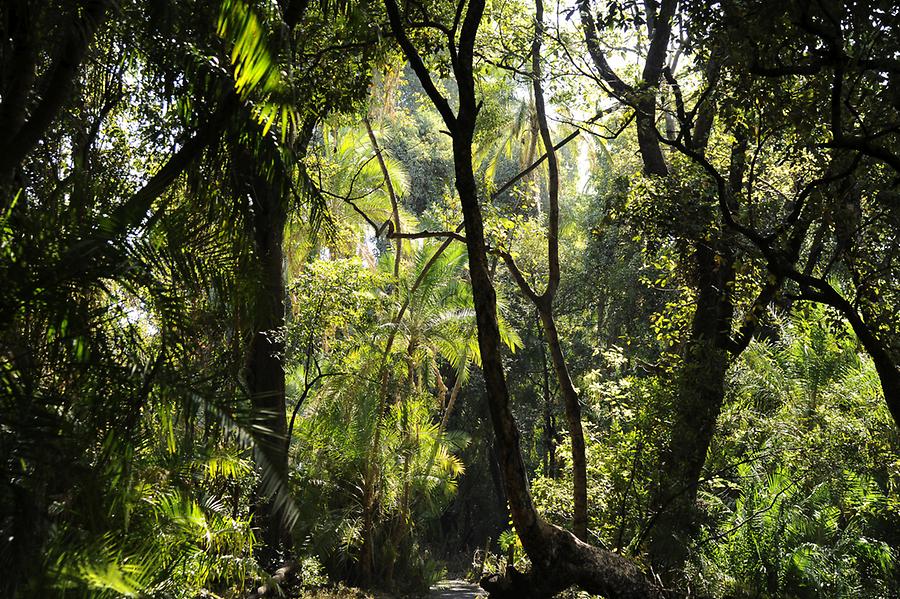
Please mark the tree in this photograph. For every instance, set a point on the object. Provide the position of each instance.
(713, 340)
(268, 170)
(544, 302)
(824, 43)
(71, 440)
(558, 558)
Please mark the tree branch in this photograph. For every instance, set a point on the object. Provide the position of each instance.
(418, 65)
(56, 88)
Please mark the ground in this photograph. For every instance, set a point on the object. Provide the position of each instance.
(456, 589)
(446, 589)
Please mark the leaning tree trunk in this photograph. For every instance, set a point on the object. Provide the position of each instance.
(265, 369)
(884, 362)
(573, 419)
(559, 559)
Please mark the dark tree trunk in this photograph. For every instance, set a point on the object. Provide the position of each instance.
(549, 425)
(643, 96)
(888, 374)
(544, 303)
(700, 393)
(265, 369)
(648, 142)
(700, 386)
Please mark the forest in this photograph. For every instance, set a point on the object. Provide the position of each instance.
(352, 298)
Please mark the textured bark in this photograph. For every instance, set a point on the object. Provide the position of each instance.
(700, 386)
(660, 26)
(568, 562)
(549, 458)
(648, 144)
(265, 376)
(558, 558)
(819, 290)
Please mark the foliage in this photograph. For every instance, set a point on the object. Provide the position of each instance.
(803, 501)
(335, 437)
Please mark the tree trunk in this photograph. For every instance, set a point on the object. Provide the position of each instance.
(643, 97)
(648, 142)
(544, 303)
(265, 369)
(559, 559)
(549, 425)
(700, 393)
(700, 386)
(573, 418)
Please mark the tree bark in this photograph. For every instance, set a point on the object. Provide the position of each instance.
(573, 418)
(265, 369)
(641, 98)
(700, 393)
(819, 290)
(549, 425)
(558, 558)
(544, 303)
(885, 366)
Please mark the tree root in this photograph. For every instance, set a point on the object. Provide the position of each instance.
(565, 561)
(278, 579)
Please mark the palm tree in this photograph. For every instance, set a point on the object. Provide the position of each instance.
(440, 322)
(435, 322)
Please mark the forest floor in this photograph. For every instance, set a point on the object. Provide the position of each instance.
(456, 589)
(446, 589)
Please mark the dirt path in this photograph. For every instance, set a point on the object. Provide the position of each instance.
(456, 589)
